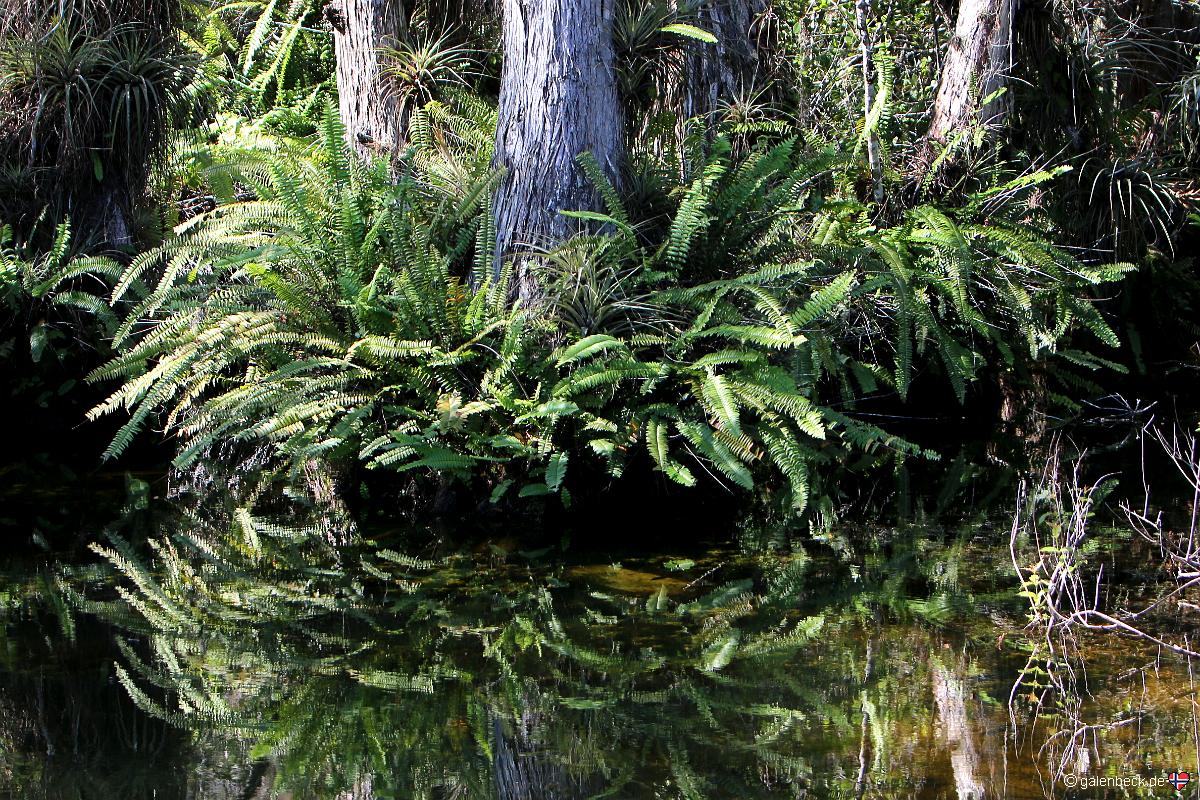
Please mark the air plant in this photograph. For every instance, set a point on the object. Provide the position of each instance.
(420, 69)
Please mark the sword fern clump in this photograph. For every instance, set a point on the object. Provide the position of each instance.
(743, 338)
(355, 313)
(33, 284)
(302, 315)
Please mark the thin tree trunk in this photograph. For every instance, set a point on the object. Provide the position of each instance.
(860, 782)
(976, 67)
(558, 99)
(862, 9)
(522, 773)
(371, 112)
(327, 486)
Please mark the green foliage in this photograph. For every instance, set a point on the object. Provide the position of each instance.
(733, 304)
(420, 68)
(339, 665)
(341, 316)
(319, 293)
(766, 310)
(224, 615)
(979, 292)
(55, 286)
(261, 55)
(90, 94)
(818, 65)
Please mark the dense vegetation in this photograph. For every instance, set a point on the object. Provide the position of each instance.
(587, 279)
(266, 279)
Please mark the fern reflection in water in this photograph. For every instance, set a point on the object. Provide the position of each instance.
(369, 673)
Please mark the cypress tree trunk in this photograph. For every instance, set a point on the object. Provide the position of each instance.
(371, 112)
(976, 66)
(558, 99)
(695, 81)
(718, 73)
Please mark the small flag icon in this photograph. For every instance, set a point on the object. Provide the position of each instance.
(1179, 780)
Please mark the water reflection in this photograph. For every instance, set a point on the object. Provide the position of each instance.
(865, 666)
(67, 729)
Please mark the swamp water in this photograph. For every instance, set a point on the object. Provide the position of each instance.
(876, 664)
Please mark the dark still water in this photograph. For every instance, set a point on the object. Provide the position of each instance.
(245, 658)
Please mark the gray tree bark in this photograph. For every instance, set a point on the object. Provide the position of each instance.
(976, 66)
(719, 73)
(558, 99)
(371, 112)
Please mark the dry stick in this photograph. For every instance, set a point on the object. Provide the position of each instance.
(705, 575)
(1110, 623)
(1191, 581)
(1080, 733)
